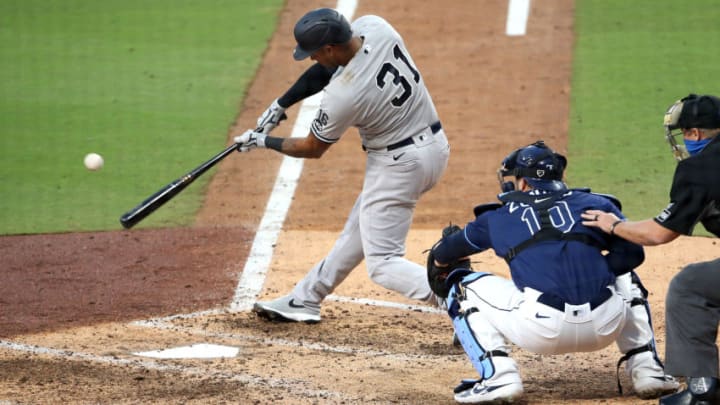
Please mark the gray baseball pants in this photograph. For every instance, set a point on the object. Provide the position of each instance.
(692, 313)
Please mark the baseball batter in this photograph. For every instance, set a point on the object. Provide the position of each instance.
(565, 294)
(369, 81)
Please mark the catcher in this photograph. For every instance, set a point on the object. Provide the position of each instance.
(565, 295)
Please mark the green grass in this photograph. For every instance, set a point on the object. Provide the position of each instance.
(154, 85)
(151, 85)
(632, 60)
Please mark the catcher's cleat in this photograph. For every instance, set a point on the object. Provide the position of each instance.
(654, 386)
(289, 309)
(648, 377)
(486, 392)
(504, 387)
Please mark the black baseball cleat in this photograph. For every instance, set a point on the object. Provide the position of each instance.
(700, 391)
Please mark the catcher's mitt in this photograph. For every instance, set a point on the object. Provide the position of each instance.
(437, 275)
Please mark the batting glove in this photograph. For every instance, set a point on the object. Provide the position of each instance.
(271, 118)
(249, 141)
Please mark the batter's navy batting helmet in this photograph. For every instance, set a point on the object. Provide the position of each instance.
(539, 165)
(318, 28)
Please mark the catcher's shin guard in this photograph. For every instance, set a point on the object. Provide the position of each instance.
(481, 359)
(638, 330)
(637, 342)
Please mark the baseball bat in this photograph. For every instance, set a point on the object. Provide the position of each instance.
(167, 193)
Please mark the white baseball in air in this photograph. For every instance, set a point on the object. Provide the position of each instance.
(93, 161)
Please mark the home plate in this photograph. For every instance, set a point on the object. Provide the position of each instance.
(198, 351)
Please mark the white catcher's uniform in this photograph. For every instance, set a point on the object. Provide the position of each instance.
(381, 92)
(506, 314)
(496, 313)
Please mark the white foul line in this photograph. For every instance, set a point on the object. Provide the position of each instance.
(253, 274)
(332, 297)
(249, 286)
(518, 11)
(386, 304)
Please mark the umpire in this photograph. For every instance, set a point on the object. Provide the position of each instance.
(692, 305)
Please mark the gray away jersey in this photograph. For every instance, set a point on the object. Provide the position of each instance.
(380, 91)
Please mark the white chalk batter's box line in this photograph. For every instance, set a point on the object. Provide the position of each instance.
(164, 323)
(332, 297)
(297, 385)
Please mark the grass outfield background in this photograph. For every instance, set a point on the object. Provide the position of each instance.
(152, 86)
(145, 82)
(632, 60)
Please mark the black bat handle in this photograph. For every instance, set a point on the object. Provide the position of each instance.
(212, 161)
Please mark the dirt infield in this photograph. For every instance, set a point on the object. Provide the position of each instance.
(74, 308)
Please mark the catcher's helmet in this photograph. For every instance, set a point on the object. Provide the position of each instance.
(692, 111)
(539, 165)
(318, 28)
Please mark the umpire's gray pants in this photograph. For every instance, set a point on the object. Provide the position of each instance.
(692, 313)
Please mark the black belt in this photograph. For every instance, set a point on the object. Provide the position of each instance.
(434, 128)
(556, 302)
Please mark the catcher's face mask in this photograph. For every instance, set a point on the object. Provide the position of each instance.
(693, 111)
(673, 131)
(539, 165)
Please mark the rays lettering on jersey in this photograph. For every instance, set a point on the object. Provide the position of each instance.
(560, 216)
(398, 78)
